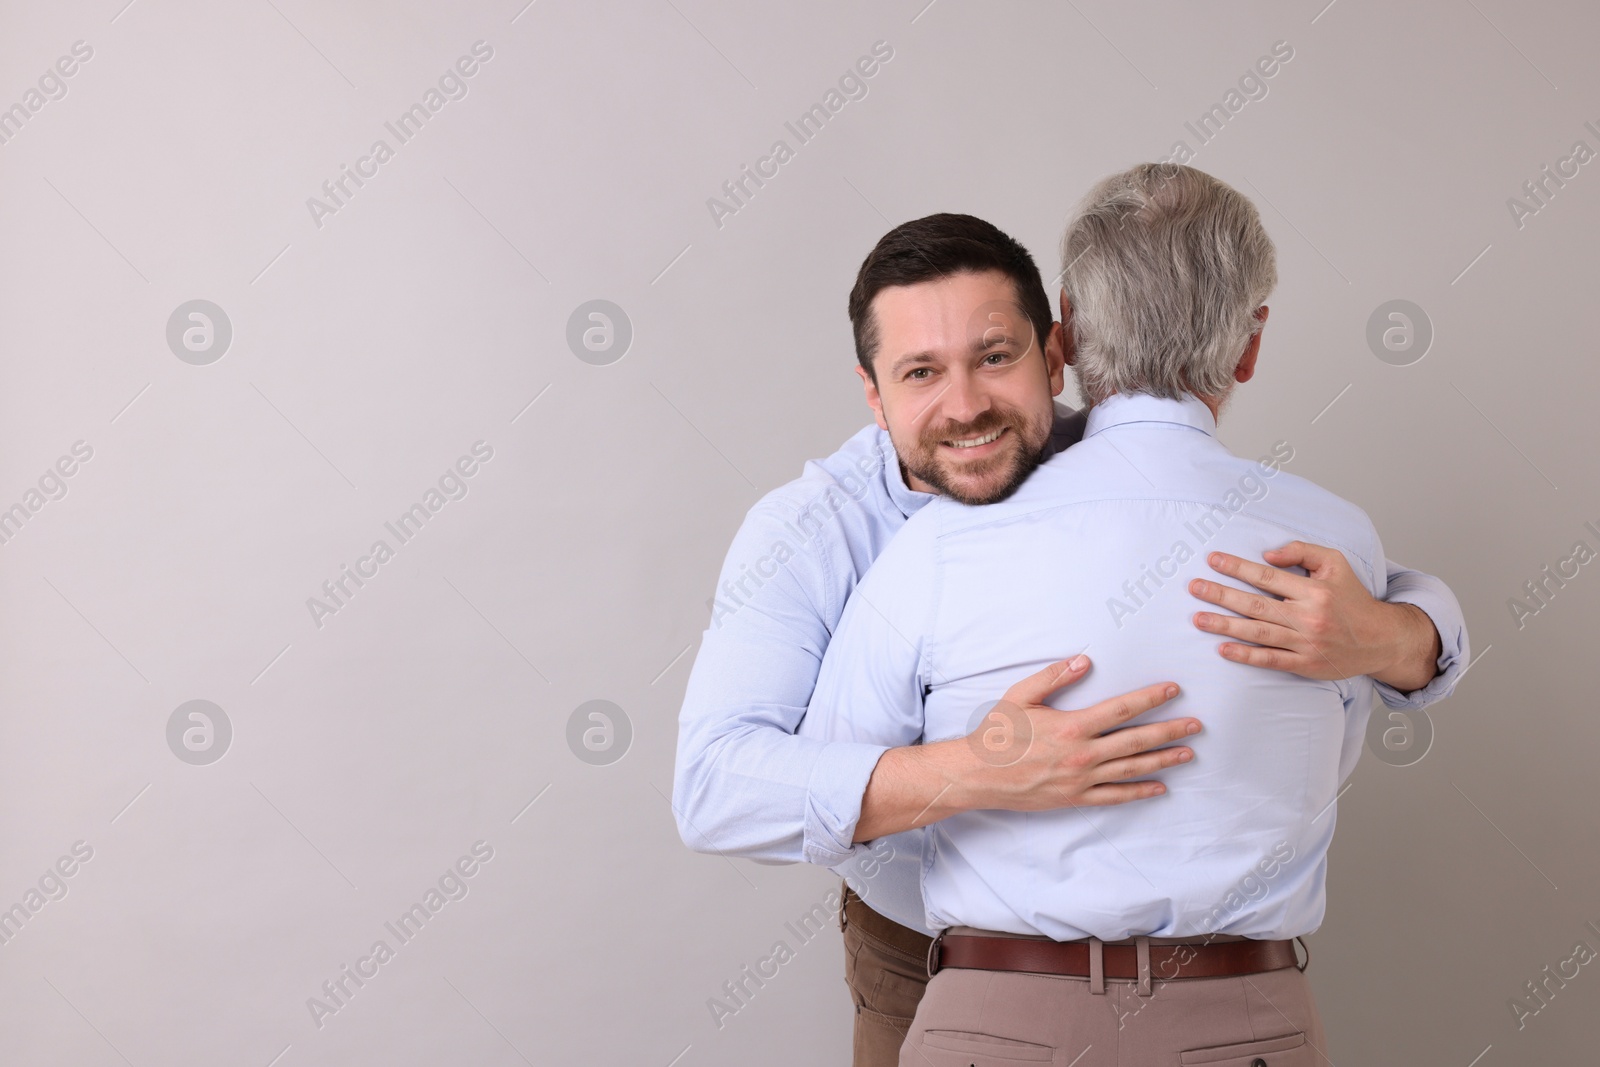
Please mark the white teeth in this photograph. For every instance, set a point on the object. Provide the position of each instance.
(974, 442)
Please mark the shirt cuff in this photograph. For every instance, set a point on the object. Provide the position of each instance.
(833, 800)
(1441, 606)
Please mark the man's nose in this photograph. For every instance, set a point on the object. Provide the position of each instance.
(965, 400)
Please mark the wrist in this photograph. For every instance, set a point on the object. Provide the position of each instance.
(977, 783)
(958, 779)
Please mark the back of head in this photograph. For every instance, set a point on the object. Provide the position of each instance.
(1165, 268)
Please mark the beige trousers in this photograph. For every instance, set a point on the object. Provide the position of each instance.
(971, 1018)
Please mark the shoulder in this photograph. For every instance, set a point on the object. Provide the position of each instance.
(849, 473)
(824, 528)
(857, 468)
(1320, 515)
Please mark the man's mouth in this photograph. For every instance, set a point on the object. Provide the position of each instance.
(981, 442)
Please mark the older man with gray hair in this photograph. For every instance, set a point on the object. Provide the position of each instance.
(1160, 932)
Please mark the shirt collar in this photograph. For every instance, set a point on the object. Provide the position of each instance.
(1119, 409)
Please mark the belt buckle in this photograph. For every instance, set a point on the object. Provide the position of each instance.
(933, 954)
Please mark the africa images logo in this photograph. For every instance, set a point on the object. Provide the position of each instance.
(337, 192)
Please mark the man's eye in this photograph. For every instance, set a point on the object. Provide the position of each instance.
(995, 359)
(919, 374)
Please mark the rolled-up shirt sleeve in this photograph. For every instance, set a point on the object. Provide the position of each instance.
(1435, 598)
(744, 784)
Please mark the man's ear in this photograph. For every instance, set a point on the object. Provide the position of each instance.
(1055, 359)
(1069, 346)
(874, 401)
(1246, 367)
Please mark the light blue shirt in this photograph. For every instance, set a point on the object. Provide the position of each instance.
(1094, 554)
(745, 784)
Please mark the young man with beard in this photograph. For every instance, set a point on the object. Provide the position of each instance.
(960, 359)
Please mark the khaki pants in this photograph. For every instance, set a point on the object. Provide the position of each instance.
(886, 968)
(972, 1018)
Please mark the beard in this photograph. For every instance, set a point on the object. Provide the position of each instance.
(984, 481)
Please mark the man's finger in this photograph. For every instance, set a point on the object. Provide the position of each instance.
(1108, 793)
(1316, 559)
(1037, 686)
(1272, 658)
(1252, 605)
(1271, 579)
(1132, 740)
(1120, 770)
(1118, 710)
(1252, 630)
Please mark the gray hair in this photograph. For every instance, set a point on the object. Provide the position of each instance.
(1165, 268)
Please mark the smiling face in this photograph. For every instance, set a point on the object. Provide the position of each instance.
(963, 385)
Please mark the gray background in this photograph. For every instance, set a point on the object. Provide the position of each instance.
(370, 352)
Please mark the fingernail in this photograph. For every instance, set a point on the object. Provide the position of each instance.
(1194, 728)
(1215, 558)
(1185, 757)
(1078, 662)
(1172, 691)
(1203, 619)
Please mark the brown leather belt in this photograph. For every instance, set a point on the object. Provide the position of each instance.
(1217, 959)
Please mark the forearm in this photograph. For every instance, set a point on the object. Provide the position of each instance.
(914, 786)
(1417, 649)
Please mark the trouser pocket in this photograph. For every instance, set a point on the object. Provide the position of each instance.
(961, 1048)
(1291, 1050)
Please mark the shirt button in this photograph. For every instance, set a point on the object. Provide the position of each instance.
(1258, 1062)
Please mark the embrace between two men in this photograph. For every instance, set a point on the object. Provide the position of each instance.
(896, 680)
